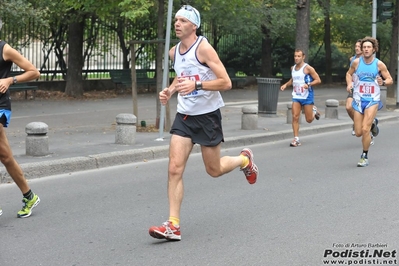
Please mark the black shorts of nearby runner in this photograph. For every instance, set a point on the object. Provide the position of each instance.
(350, 94)
(205, 129)
(3, 120)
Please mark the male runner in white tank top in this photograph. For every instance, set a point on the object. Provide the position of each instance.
(200, 77)
(304, 77)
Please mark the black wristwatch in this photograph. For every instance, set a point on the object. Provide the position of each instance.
(383, 83)
(198, 85)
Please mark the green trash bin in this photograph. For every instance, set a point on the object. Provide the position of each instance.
(268, 89)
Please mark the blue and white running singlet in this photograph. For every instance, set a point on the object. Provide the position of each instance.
(366, 91)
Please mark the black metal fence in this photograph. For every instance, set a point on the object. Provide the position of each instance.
(106, 46)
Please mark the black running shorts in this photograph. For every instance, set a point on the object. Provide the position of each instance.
(3, 120)
(350, 94)
(205, 129)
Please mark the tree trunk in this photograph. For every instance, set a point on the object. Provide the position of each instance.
(120, 25)
(214, 32)
(325, 5)
(74, 81)
(393, 62)
(303, 26)
(266, 68)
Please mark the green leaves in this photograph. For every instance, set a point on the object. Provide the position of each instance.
(132, 9)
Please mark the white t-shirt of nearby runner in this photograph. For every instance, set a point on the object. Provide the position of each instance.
(199, 101)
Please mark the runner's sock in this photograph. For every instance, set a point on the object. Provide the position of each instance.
(29, 195)
(175, 221)
(365, 153)
(245, 161)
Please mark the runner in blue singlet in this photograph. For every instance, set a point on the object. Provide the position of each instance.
(349, 99)
(365, 75)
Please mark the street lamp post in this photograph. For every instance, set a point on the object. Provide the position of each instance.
(374, 20)
(165, 68)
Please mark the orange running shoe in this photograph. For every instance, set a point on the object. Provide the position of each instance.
(166, 231)
(251, 170)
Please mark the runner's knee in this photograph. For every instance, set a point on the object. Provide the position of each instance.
(213, 172)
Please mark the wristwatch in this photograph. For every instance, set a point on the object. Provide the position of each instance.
(383, 83)
(198, 85)
(14, 80)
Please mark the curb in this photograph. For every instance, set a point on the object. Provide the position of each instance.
(97, 161)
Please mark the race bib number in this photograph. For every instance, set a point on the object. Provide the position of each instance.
(194, 77)
(194, 93)
(367, 89)
(190, 73)
(299, 90)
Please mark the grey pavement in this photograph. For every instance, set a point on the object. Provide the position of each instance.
(82, 132)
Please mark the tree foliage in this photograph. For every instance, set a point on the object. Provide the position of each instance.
(230, 22)
(75, 14)
(21, 11)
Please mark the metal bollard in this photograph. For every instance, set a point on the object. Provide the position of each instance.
(125, 129)
(249, 117)
(332, 109)
(289, 114)
(37, 139)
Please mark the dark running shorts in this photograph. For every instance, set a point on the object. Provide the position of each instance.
(3, 120)
(203, 129)
(350, 94)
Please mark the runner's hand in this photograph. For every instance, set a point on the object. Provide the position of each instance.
(349, 88)
(185, 86)
(164, 96)
(4, 84)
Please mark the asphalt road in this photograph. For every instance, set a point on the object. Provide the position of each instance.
(308, 202)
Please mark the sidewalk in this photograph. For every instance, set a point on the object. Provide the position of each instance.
(82, 133)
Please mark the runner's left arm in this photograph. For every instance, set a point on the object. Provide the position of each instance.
(385, 79)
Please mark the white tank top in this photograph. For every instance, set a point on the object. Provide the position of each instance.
(199, 101)
(298, 81)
